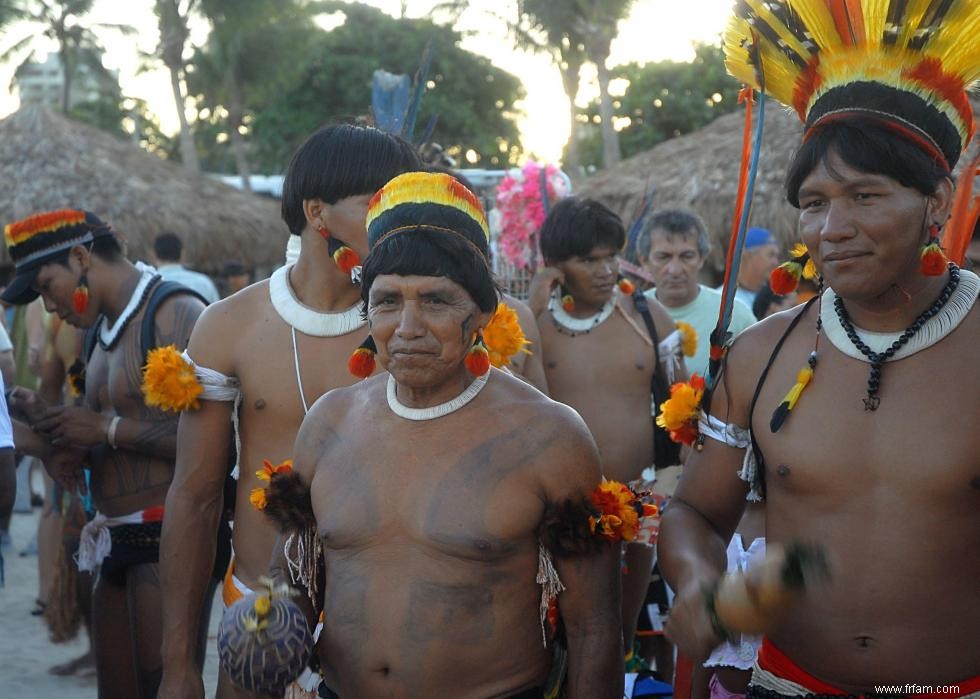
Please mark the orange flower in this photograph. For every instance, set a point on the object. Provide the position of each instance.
(268, 470)
(169, 382)
(679, 413)
(504, 337)
(619, 511)
(257, 498)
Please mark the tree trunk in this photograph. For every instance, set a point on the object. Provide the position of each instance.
(188, 153)
(570, 81)
(66, 81)
(610, 139)
(235, 113)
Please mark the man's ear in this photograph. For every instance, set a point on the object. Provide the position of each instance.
(81, 257)
(941, 203)
(315, 210)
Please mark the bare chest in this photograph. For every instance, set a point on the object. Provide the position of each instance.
(113, 379)
(921, 443)
(433, 486)
(283, 372)
(613, 358)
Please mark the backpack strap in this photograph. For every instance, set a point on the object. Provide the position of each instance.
(666, 452)
(161, 292)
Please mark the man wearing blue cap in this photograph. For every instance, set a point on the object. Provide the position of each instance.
(760, 257)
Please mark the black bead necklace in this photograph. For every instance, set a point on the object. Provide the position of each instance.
(877, 359)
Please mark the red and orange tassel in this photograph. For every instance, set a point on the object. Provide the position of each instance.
(626, 286)
(786, 277)
(478, 358)
(346, 259)
(932, 259)
(362, 362)
(79, 298)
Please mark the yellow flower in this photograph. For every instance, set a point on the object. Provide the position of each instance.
(169, 382)
(268, 470)
(504, 337)
(689, 338)
(809, 269)
(257, 498)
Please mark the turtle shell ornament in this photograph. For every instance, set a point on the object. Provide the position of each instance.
(264, 642)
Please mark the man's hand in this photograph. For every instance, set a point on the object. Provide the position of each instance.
(181, 682)
(65, 468)
(543, 281)
(690, 627)
(74, 426)
(27, 404)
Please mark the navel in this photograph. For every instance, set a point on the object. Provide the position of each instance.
(552, 365)
(259, 404)
(865, 642)
(783, 470)
(975, 483)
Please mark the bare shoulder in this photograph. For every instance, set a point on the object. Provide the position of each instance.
(176, 317)
(229, 318)
(524, 314)
(354, 403)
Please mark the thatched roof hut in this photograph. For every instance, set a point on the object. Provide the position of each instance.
(699, 171)
(50, 162)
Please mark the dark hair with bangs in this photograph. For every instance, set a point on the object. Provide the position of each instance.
(339, 161)
(427, 252)
(868, 147)
(575, 227)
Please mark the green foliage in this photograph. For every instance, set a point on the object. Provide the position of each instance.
(665, 100)
(472, 98)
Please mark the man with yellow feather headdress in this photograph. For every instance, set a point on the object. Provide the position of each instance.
(869, 453)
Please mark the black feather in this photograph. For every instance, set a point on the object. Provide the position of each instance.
(779, 417)
(565, 529)
(288, 503)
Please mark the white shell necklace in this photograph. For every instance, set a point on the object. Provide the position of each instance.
(578, 326)
(109, 334)
(310, 321)
(933, 330)
(441, 410)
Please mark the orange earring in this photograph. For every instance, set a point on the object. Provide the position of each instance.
(478, 358)
(324, 233)
(79, 299)
(932, 259)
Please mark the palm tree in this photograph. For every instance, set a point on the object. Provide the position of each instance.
(172, 16)
(60, 20)
(596, 21)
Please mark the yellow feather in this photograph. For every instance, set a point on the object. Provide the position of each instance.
(765, 14)
(819, 22)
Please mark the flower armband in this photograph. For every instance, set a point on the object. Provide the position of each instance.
(169, 382)
(679, 413)
(611, 514)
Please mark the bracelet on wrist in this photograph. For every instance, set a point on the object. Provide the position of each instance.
(110, 435)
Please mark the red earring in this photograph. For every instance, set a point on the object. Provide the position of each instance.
(478, 358)
(324, 233)
(932, 259)
(79, 299)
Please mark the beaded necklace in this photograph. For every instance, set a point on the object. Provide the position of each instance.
(877, 359)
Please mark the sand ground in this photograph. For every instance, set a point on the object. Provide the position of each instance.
(25, 651)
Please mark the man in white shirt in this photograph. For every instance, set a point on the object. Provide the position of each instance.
(673, 246)
(759, 257)
(167, 250)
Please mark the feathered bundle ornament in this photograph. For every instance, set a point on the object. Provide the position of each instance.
(619, 510)
(611, 514)
(786, 277)
(565, 529)
(504, 336)
(169, 382)
(679, 413)
(288, 503)
(524, 197)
